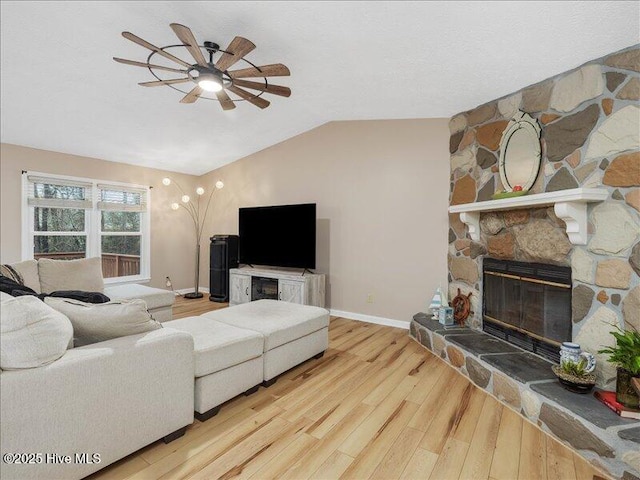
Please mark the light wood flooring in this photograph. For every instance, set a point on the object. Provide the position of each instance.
(376, 406)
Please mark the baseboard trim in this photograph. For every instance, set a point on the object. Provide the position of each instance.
(182, 291)
(389, 322)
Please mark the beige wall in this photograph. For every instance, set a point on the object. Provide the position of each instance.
(381, 189)
(172, 237)
(382, 193)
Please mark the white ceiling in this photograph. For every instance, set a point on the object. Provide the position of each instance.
(349, 60)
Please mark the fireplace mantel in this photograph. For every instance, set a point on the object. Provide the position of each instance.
(569, 205)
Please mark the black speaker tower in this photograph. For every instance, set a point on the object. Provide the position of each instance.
(223, 256)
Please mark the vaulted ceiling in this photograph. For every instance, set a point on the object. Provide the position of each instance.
(62, 91)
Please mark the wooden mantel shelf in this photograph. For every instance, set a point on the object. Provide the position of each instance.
(569, 205)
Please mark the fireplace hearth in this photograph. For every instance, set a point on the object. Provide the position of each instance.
(528, 305)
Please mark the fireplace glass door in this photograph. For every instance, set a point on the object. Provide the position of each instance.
(528, 304)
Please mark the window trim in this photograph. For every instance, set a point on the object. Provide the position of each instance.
(93, 229)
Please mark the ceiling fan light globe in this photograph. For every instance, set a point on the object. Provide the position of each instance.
(209, 85)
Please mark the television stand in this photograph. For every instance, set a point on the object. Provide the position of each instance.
(249, 284)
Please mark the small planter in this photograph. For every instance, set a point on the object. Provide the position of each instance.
(583, 384)
(625, 393)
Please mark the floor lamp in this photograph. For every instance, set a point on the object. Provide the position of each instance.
(198, 222)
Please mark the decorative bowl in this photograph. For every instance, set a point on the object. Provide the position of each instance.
(572, 383)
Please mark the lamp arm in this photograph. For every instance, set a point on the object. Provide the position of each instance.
(206, 210)
(193, 210)
(195, 221)
(178, 185)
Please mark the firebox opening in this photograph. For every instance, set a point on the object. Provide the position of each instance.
(527, 304)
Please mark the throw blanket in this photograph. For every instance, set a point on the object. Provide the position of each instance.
(15, 289)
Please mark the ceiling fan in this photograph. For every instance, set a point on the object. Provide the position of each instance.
(209, 76)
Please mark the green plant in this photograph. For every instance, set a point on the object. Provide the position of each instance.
(626, 352)
(574, 368)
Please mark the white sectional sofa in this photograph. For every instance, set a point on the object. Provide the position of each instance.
(159, 302)
(45, 276)
(110, 398)
(114, 397)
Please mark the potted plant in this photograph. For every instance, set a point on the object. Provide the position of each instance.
(573, 375)
(625, 354)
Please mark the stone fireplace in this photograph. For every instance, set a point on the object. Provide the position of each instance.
(590, 124)
(590, 121)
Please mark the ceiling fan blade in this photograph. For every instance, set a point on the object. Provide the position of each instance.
(142, 64)
(225, 101)
(159, 83)
(257, 101)
(192, 96)
(153, 48)
(186, 36)
(237, 49)
(275, 89)
(273, 70)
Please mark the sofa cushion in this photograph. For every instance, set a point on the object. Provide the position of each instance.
(279, 322)
(84, 274)
(32, 334)
(97, 322)
(28, 272)
(217, 345)
(155, 297)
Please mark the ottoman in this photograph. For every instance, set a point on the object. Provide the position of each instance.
(228, 361)
(292, 333)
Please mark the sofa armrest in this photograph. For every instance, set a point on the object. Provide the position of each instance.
(110, 398)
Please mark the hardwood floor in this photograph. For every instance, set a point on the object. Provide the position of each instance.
(376, 406)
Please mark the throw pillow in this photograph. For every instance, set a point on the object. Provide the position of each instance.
(32, 334)
(83, 274)
(26, 273)
(94, 323)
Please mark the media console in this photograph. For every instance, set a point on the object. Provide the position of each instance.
(247, 284)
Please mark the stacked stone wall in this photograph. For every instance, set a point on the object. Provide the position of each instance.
(590, 119)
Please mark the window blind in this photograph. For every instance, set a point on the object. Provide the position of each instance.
(58, 193)
(122, 199)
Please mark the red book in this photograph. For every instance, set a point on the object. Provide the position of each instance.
(609, 399)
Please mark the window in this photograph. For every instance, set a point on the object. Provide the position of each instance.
(67, 218)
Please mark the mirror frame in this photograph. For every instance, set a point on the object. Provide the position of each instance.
(520, 120)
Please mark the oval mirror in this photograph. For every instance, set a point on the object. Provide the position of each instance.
(520, 153)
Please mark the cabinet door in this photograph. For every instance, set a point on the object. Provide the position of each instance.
(292, 292)
(239, 288)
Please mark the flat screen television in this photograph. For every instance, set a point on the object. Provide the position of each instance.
(278, 236)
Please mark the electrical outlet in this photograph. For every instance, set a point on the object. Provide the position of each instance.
(168, 283)
(370, 298)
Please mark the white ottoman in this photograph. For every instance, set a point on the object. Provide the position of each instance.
(292, 333)
(228, 361)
